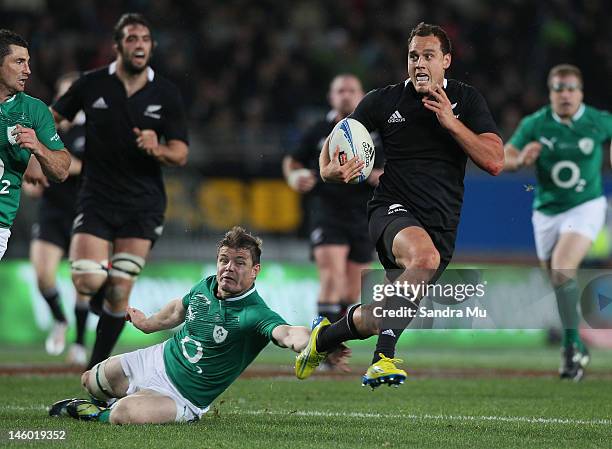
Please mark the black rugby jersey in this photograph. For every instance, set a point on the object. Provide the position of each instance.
(61, 197)
(425, 166)
(115, 171)
(332, 199)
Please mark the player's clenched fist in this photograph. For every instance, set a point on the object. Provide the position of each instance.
(26, 138)
(529, 154)
(137, 318)
(146, 139)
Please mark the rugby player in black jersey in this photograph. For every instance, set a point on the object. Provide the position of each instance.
(135, 124)
(52, 231)
(337, 214)
(429, 126)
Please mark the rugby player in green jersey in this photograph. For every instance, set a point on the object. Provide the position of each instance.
(26, 129)
(563, 141)
(227, 324)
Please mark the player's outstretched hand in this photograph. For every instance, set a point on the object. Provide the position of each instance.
(530, 154)
(339, 358)
(137, 318)
(146, 140)
(333, 171)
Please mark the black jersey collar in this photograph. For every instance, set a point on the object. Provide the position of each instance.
(408, 81)
(112, 68)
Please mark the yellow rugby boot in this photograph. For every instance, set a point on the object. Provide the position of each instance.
(308, 360)
(384, 372)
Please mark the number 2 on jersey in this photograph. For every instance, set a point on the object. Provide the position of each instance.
(5, 182)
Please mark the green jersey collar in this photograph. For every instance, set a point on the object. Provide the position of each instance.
(579, 113)
(244, 295)
(9, 99)
(215, 287)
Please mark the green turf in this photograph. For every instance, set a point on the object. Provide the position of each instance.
(482, 411)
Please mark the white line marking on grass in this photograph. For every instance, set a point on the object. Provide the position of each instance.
(426, 416)
(23, 408)
(511, 419)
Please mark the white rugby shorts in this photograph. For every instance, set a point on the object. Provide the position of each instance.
(586, 219)
(5, 233)
(146, 370)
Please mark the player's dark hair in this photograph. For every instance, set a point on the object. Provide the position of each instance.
(129, 18)
(564, 70)
(426, 29)
(8, 38)
(238, 238)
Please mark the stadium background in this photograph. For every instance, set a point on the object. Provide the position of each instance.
(254, 75)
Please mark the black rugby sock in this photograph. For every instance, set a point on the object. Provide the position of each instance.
(342, 330)
(385, 345)
(81, 310)
(97, 301)
(52, 298)
(332, 312)
(107, 333)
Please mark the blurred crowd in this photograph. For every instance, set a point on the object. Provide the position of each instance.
(262, 62)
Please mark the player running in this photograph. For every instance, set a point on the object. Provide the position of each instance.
(338, 221)
(130, 111)
(52, 231)
(429, 126)
(563, 140)
(26, 129)
(226, 325)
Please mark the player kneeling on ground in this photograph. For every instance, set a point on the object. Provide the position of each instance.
(227, 324)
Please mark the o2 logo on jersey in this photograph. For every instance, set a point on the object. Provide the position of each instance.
(199, 350)
(586, 145)
(573, 181)
(219, 334)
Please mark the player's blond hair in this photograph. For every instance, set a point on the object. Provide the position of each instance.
(564, 70)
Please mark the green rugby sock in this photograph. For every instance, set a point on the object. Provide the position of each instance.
(567, 300)
(104, 415)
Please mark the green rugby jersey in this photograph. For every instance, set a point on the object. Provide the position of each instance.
(568, 169)
(219, 340)
(30, 112)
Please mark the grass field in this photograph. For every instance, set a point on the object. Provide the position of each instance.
(454, 398)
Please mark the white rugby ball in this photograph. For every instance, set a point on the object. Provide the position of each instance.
(354, 140)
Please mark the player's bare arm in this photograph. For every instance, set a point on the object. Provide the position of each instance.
(34, 174)
(54, 164)
(75, 166)
(292, 337)
(297, 178)
(296, 338)
(486, 150)
(332, 171)
(174, 153)
(170, 316)
(515, 159)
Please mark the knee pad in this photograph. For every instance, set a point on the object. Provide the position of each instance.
(88, 266)
(97, 383)
(126, 265)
